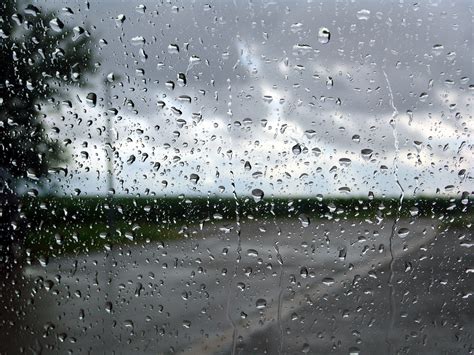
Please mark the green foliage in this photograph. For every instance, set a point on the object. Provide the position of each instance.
(74, 238)
(41, 58)
(175, 210)
(68, 225)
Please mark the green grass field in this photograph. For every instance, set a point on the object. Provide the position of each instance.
(54, 226)
(72, 238)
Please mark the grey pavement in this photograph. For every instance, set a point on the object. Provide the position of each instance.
(282, 289)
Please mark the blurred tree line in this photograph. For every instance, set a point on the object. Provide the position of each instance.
(41, 58)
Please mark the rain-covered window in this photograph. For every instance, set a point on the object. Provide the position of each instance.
(236, 177)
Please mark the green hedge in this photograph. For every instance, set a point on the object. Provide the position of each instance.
(174, 209)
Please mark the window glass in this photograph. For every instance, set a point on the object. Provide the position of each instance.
(236, 177)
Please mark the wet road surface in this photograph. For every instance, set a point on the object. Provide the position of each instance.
(283, 288)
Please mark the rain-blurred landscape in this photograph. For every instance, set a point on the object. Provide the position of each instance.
(236, 177)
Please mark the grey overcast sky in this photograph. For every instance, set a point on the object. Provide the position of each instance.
(386, 96)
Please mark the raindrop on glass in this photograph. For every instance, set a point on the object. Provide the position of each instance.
(324, 35)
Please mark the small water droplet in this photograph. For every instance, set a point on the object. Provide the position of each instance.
(296, 149)
(252, 253)
(173, 48)
(449, 188)
(62, 337)
(324, 35)
(310, 133)
(108, 307)
(345, 162)
(128, 324)
(194, 59)
(423, 96)
(437, 49)
(194, 178)
(329, 82)
(345, 189)
(305, 222)
(32, 10)
(257, 195)
(140, 9)
(48, 285)
(91, 99)
(328, 281)
(363, 14)
(413, 211)
(119, 20)
(138, 40)
(111, 77)
(56, 25)
(33, 192)
(304, 272)
(403, 232)
(182, 79)
(366, 153)
(261, 303)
